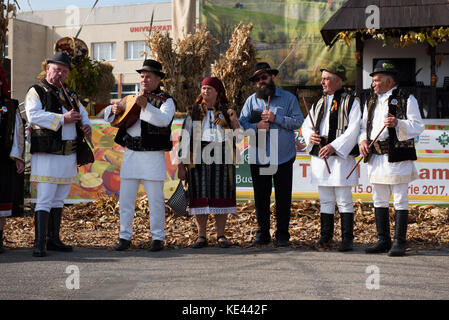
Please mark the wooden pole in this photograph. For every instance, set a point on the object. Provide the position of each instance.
(369, 147)
(314, 129)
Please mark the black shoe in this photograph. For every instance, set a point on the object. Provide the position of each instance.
(399, 244)
(54, 224)
(347, 231)
(1, 242)
(223, 243)
(282, 243)
(157, 245)
(383, 243)
(40, 233)
(262, 239)
(123, 245)
(200, 243)
(327, 230)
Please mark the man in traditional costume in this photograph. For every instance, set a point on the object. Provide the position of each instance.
(336, 116)
(54, 134)
(395, 113)
(12, 146)
(146, 142)
(271, 108)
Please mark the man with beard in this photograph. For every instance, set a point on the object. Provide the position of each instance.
(144, 159)
(336, 116)
(272, 109)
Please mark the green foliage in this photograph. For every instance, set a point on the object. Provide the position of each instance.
(84, 77)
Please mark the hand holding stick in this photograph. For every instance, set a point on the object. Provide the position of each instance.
(314, 129)
(369, 147)
(88, 140)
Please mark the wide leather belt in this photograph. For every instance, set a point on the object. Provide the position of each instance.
(68, 148)
(135, 144)
(380, 147)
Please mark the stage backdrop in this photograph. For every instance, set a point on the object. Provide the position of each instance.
(103, 176)
(286, 34)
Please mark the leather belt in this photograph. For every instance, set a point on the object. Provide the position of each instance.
(68, 148)
(135, 144)
(380, 147)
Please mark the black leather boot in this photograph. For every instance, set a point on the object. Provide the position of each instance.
(383, 243)
(1, 242)
(347, 231)
(54, 224)
(327, 230)
(400, 234)
(40, 233)
(123, 245)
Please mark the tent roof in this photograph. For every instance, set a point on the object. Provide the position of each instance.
(394, 14)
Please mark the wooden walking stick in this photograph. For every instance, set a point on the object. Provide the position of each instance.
(369, 147)
(314, 129)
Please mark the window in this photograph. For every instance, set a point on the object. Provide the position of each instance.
(127, 89)
(134, 50)
(6, 47)
(103, 51)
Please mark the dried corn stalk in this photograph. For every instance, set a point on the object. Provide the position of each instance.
(7, 11)
(236, 66)
(184, 63)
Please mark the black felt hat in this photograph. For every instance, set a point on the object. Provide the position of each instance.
(152, 66)
(384, 66)
(262, 67)
(60, 57)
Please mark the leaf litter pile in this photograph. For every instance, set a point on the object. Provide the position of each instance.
(97, 224)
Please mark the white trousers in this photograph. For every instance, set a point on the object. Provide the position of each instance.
(155, 194)
(342, 195)
(51, 195)
(382, 194)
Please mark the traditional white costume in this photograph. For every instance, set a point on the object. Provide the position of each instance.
(146, 167)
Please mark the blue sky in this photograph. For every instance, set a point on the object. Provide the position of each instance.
(28, 5)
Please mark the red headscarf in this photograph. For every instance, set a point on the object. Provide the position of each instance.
(215, 83)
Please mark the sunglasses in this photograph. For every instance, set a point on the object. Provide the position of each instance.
(263, 78)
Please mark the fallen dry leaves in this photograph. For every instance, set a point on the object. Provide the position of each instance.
(96, 224)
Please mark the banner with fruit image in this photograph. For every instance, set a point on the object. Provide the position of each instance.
(103, 175)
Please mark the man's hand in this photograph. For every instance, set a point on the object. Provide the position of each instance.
(117, 108)
(232, 115)
(315, 139)
(268, 116)
(326, 151)
(142, 100)
(86, 129)
(20, 166)
(364, 148)
(72, 116)
(263, 125)
(233, 118)
(391, 121)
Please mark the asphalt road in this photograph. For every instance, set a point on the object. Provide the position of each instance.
(265, 273)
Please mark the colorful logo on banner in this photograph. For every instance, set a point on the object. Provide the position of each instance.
(443, 139)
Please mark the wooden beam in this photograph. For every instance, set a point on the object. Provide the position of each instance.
(359, 64)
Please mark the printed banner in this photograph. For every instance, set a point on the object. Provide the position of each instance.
(285, 33)
(103, 176)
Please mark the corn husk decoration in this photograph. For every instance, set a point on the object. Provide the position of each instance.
(184, 62)
(236, 66)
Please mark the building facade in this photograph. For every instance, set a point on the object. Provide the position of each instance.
(116, 34)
